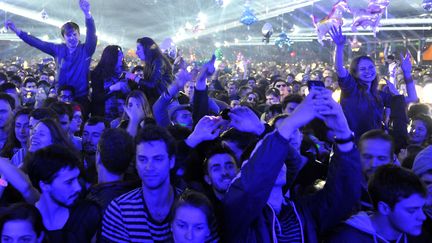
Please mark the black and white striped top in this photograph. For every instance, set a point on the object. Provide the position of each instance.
(127, 219)
(287, 226)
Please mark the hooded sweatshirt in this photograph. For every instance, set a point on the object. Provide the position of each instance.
(359, 229)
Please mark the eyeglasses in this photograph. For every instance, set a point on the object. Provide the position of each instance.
(66, 97)
(280, 85)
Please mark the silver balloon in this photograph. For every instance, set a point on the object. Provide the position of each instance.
(169, 47)
(220, 3)
(267, 31)
(44, 14)
(267, 27)
(427, 5)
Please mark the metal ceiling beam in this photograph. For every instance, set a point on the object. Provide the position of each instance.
(262, 16)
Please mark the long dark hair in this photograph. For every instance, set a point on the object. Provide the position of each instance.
(106, 68)
(141, 97)
(196, 200)
(23, 211)
(153, 55)
(58, 135)
(362, 87)
(12, 141)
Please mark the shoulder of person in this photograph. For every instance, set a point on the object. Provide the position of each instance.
(347, 233)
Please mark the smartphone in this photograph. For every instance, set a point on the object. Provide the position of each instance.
(315, 83)
(224, 114)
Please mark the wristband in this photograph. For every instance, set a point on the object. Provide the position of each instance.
(344, 140)
(3, 182)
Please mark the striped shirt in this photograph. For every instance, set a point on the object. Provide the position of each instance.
(18, 157)
(127, 219)
(287, 226)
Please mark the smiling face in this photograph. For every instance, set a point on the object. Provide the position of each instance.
(40, 137)
(366, 71)
(71, 38)
(272, 99)
(417, 132)
(221, 170)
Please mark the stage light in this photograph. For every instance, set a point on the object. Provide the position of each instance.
(427, 91)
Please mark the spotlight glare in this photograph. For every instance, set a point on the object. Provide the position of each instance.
(225, 3)
(202, 18)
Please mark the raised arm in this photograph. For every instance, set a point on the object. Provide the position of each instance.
(342, 189)
(19, 180)
(207, 129)
(410, 84)
(85, 7)
(91, 39)
(249, 192)
(44, 46)
(160, 107)
(136, 115)
(200, 100)
(339, 39)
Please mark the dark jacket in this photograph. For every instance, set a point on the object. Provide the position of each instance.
(359, 229)
(72, 68)
(248, 217)
(81, 226)
(104, 193)
(362, 112)
(103, 102)
(158, 82)
(399, 121)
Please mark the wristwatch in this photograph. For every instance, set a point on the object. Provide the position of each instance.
(351, 138)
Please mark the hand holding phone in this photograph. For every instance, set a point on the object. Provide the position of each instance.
(314, 84)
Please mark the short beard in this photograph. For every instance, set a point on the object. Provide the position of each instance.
(62, 204)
